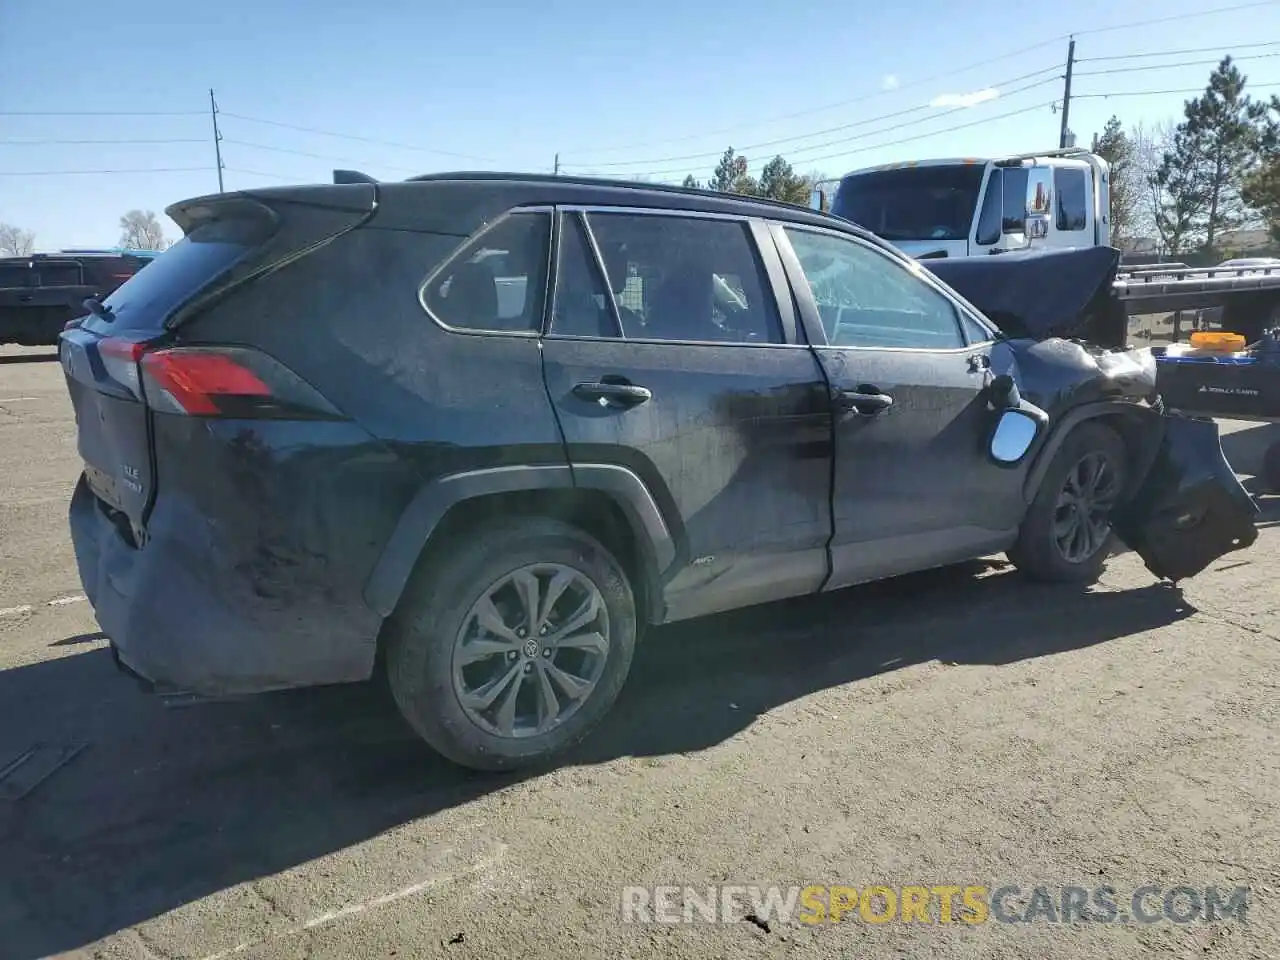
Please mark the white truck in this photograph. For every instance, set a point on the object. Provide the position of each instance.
(969, 207)
(1050, 200)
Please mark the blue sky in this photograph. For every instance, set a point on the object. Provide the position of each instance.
(621, 89)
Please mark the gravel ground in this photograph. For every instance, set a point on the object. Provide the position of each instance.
(952, 728)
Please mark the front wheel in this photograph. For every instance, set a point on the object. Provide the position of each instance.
(513, 647)
(1066, 534)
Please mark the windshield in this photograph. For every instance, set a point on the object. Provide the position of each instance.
(916, 203)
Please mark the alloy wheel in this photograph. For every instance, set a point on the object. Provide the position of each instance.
(531, 650)
(1081, 516)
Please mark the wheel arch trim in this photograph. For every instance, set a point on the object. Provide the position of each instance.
(1142, 461)
(417, 523)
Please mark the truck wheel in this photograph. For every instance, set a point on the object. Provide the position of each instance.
(509, 650)
(1271, 467)
(1066, 534)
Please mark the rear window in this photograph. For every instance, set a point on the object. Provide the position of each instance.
(147, 298)
(59, 273)
(15, 274)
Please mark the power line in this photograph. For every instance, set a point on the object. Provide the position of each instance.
(922, 136)
(924, 80)
(316, 156)
(41, 143)
(1175, 53)
(830, 106)
(350, 136)
(1157, 93)
(79, 173)
(891, 143)
(1169, 66)
(101, 113)
(1175, 18)
(269, 176)
(842, 127)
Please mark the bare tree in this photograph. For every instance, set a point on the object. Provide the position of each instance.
(15, 241)
(142, 231)
(1148, 144)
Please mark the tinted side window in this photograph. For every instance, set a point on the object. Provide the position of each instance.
(685, 278)
(867, 299)
(1069, 185)
(497, 281)
(1015, 200)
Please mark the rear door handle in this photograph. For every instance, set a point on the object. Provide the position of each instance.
(867, 402)
(614, 394)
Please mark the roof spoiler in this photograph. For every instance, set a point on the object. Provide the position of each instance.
(352, 176)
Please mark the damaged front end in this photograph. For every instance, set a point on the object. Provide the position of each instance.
(1184, 507)
(1190, 508)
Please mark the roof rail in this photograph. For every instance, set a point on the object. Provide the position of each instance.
(560, 178)
(352, 176)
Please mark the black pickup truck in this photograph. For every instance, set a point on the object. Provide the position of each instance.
(41, 292)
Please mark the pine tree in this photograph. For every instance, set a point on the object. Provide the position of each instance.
(1215, 148)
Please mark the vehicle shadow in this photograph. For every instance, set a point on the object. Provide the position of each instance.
(1244, 448)
(166, 806)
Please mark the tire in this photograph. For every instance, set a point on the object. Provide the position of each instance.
(1271, 467)
(440, 603)
(1038, 553)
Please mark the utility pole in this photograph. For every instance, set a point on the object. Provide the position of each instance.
(1066, 95)
(557, 170)
(217, 137)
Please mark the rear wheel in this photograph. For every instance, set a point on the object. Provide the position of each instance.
(1066, 534)
(510, 649)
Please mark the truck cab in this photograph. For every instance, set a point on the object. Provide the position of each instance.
(1053, 199)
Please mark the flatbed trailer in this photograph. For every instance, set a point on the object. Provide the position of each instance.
(1249, 297)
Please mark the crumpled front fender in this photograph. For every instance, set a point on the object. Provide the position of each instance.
(1190, 509)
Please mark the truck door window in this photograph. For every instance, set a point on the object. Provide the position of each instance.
(989, 220)
(1015, 200)
(1073, 205)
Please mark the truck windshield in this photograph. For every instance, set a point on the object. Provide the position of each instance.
(914, 203)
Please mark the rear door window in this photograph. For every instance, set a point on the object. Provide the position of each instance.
(689, 279)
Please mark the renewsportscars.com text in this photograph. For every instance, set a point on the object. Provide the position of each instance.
(940, 903)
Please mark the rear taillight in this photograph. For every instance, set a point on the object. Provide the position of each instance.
(228, 382)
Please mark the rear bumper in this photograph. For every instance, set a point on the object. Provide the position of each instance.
(183, 619)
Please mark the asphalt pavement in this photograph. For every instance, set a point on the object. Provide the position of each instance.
(954, 728)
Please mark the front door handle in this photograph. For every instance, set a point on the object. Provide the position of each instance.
(865, 401)
(979, 362)
(614, 394)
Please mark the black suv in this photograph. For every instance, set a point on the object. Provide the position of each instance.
(485, 428)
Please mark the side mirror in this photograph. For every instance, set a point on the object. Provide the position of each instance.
(817, 199)
(1015, 433)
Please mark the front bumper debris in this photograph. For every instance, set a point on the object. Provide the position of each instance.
(1190, 510)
